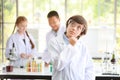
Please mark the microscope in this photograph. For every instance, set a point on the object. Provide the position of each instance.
(12, 54)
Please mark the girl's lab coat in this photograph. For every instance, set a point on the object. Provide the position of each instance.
(70, 62)
(21, 47)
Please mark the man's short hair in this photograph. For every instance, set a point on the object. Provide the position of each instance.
(53, 13)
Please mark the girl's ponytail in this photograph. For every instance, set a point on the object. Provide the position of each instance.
(14, 29)
(32, 45)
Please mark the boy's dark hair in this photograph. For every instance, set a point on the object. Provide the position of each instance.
(53, 13)
(80, 20)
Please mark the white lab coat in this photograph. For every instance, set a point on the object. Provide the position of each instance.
(51, 34)
(70, 62)
(20, 47)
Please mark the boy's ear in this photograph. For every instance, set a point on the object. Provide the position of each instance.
(83, 29)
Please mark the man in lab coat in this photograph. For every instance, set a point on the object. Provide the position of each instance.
(70, 58)
(56, 29)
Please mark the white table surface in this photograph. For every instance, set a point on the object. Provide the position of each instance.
(22, 71)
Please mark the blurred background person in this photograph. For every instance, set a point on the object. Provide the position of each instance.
(56, 29)
(23, 43)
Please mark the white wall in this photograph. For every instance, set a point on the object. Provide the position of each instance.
(100, 40)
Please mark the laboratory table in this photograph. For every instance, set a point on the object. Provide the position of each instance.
(46, 74)
(22, 74)
(107, 77)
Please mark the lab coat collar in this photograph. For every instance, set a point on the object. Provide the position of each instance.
(21, 38)
(19, 34)
(60, 39)
(59, 30)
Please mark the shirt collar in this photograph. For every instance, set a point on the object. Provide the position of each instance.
(59, 31)
(65, 39)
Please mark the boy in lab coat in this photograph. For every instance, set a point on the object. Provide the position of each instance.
(69, 56)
